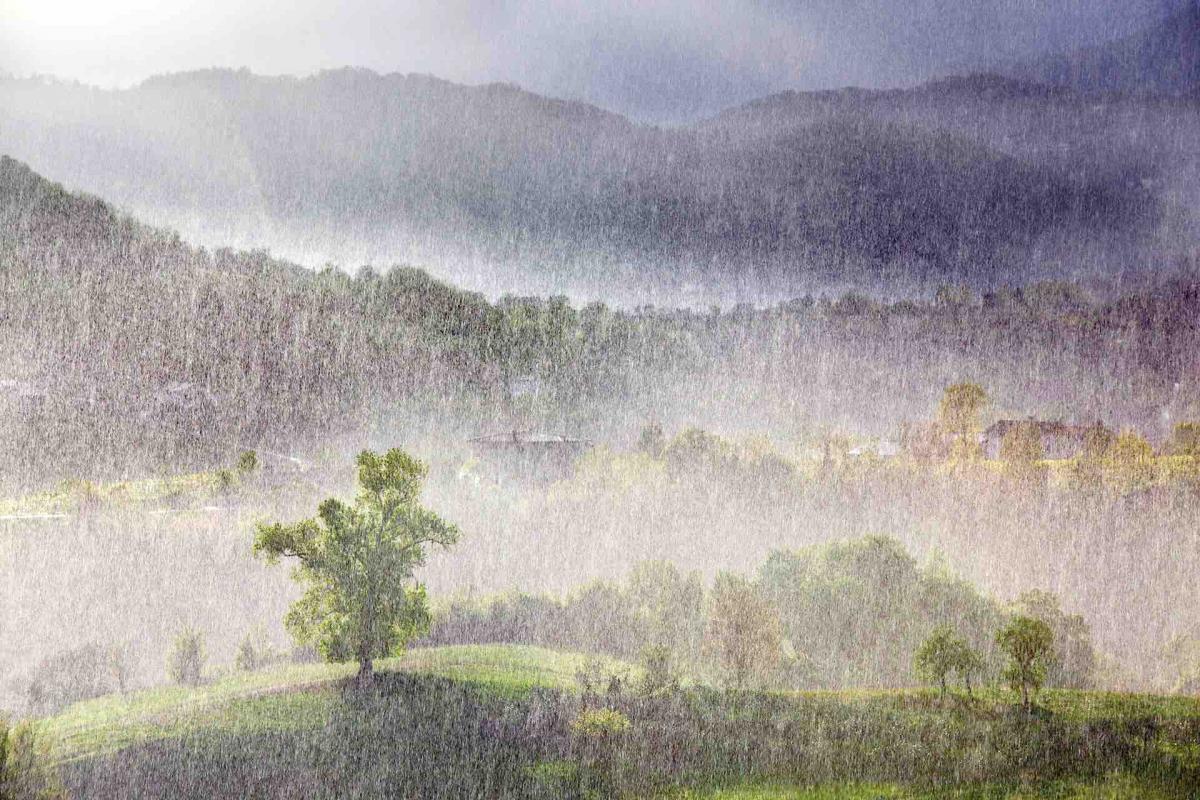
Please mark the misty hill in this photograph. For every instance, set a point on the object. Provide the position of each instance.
(116, 333)
(121, 343)
(1164, 59)
(501, 190)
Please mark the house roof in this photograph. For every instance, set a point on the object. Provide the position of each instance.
(1044, 427)
(527, 437)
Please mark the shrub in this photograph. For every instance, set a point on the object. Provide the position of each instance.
(659, 676)
(25, 773)
(247, 462)
(118, 662)
(224, 481)
(596, 678)
(70, 676)
(255, 652)
(599, 724)
(185, 663)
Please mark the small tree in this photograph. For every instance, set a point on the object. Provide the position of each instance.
(659, 676)
(1029, 644)
(117, 659)
(743, 632)
(357, 562)
(1074, 660)
(937, 657)
(1097, 440)
(1131, 462)
(967, 664)
(1021, 449)
(185, 663)
(25, 772)
(254, 652)
(652, 440)
(960, 416)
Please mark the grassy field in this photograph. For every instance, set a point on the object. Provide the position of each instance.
(294, 697)
(454, 721)
(1115, 787)
(174, 490)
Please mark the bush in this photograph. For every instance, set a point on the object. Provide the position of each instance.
(600, 723)
(25, 773)
(79, 673)
(247, 462)
(659, 676)
(255, 652)
(597, 679)
(185, 664)
(224, 481)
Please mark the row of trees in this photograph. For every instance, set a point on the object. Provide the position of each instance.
(1027, 642)
(799, 623)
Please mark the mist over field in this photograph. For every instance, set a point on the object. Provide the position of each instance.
(559, 400)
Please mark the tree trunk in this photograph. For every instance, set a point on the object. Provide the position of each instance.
(968, 682)
(1025, 696)
(943, 697)
(366, 674)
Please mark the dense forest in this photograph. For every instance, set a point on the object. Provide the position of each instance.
(225, 350)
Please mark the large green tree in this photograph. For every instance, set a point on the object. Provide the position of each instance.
(357, 562)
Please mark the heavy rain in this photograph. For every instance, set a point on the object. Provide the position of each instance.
(545, 399)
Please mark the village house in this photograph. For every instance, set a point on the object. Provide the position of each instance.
(527, 456)
(1059, 439)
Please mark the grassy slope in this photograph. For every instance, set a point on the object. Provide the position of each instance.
(1116, 787)
(289, 698)
(299, 697)
(189, 488)
(1063, 703)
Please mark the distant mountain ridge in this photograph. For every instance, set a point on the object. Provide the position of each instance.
(1164, 60)
(501, 190)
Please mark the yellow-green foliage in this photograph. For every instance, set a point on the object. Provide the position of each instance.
(76, 496)
(600, 723)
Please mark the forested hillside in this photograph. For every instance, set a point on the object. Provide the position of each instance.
(122, 343)
(500, 190)
(115, 333)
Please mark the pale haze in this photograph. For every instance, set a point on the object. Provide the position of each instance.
(663, 61)
(600, 400)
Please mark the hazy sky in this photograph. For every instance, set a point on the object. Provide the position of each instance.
(656, 60)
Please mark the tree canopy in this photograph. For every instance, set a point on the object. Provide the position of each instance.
(1029, 644)
(357, 562)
